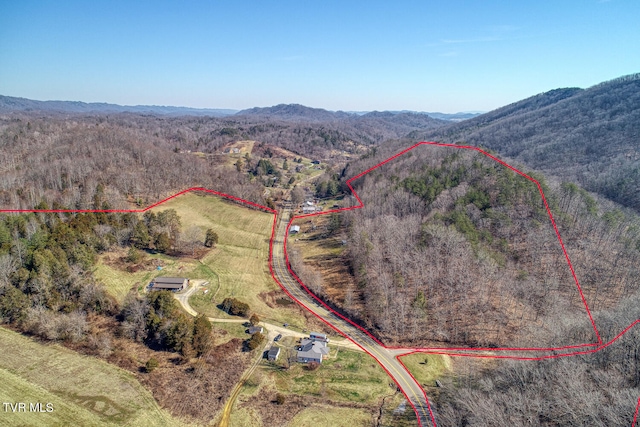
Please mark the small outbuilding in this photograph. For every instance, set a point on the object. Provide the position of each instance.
(294, 229)
(317, 336)
(175, 284)
(273, 353)
(255, 329)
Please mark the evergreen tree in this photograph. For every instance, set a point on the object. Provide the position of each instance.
(211, 238)
(202, 340)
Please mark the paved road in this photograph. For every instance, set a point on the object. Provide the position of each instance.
(383, 356)
(356, 339)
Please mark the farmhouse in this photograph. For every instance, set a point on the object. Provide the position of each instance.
(312, 351)
(175, 284)
(273, 353)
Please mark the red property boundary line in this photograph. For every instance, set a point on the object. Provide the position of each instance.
(546, 205)
(443, 351)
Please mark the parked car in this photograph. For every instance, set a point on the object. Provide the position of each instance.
(277, 338)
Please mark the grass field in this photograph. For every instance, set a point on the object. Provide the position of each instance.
(331, 416)
(84, 391)
(239, 261)
(427, 368)
(119, 282)
(348, 377)
(243, 417)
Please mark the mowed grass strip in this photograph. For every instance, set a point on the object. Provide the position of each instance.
(83, 390)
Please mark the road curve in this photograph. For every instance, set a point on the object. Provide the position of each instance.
(385, 357)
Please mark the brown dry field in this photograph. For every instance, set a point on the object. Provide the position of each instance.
(327, 256)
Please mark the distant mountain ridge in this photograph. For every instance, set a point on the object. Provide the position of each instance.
(10, 103)
(301, 112)
(296, 112)
(287, 112)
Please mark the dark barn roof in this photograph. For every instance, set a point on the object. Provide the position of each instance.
(169, 282)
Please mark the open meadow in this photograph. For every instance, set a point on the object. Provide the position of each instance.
(236, 267)
(427, 368)
(82, 390)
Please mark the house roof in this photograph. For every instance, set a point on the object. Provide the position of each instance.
(170, 280)
(312, 349)
(295, 228)
(274, 351)
(166, 286)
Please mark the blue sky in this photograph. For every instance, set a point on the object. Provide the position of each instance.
(423, 55)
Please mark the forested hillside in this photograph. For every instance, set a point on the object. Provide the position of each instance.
(452, 246)
(137, 159)
(590, 136)
(13, 104)
(62, 157)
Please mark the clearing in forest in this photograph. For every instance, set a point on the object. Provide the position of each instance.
(238, 265)
(239, 262)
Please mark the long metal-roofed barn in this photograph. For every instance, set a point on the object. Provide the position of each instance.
(169, 283)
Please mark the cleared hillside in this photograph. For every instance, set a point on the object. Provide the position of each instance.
(83, 390)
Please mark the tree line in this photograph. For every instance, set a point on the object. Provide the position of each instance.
(47, 286)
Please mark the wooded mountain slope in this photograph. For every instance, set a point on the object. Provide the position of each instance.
(452, 246)
(13, 104)
(63, 159)
(587, 136)
(64, 156)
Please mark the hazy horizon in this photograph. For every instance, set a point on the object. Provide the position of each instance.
(238, 110)
(446, 57)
